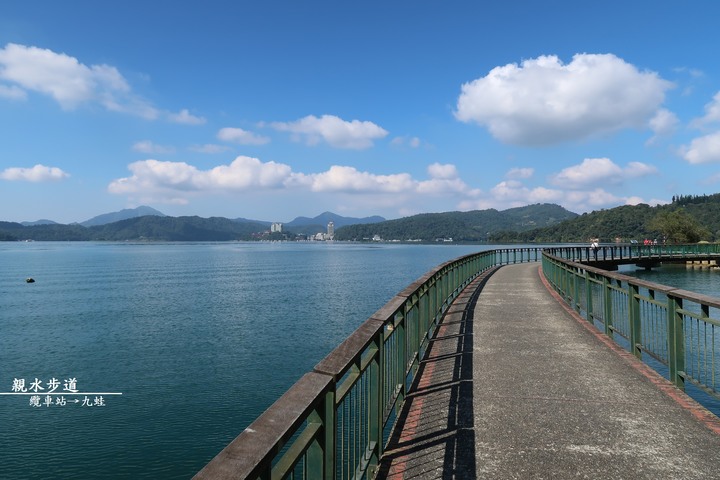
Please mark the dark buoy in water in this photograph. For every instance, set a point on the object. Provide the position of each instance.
(30, 280)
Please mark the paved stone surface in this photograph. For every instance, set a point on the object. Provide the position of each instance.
(514, 386)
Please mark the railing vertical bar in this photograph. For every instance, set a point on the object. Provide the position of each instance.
(634, 319)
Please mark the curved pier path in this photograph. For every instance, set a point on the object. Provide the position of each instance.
(515, 385)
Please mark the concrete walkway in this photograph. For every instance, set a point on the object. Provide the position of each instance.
(515, 385)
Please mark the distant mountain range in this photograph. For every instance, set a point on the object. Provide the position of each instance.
(145, 223)
(319, 221)
(687, 217)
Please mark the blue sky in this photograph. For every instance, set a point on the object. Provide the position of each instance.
(270, 110)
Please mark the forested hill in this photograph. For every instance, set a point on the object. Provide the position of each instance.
(471, 226)
(688, 218)
(151, 227)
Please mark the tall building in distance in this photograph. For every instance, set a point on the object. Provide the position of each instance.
(331, 230)
(276, 227)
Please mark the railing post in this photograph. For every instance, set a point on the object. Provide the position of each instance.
(402, 359)
(676, 342)
(316, 454)
(376, 408)
(588, 298)
(607, 292)
(576, 290)
(634, 320)
(330, 424)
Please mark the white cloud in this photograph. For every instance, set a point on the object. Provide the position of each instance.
(638, 200)
(444, 180)
(702, 149)
(13, 92)
(517, 194)
(68, 81)
(663, 124)
(176, 182)
(333, 130)
(186, 118)
(599, 171)
(244, 173)
(712, 113)
(542, 101)
(585, 201)
(519, 173)
(511, 193)
(179, 182)
(350, 180)
(444, 171)
(637, 170)
(38, 173)
(243, 137)
(209, 148)
(146, 146)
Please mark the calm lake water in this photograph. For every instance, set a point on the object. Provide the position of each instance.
(198, 338)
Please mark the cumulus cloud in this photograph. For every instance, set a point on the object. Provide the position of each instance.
(38, 173)
(442, 171)
(243, 137)
(509, 194)
(712, 113)
(513, 193)
(517, 194)
(599, 171)
(146, 146)
(663, 124)
(177, 182)
(704, 149)
(350, 180)
(243, 173)
(543, 101)
(334, 131)
(68, 81)
(444, 180)
(638, 200)
(186, 118)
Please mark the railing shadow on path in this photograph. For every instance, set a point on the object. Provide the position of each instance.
(434, 435)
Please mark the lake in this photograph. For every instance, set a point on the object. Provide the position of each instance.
(199, 338)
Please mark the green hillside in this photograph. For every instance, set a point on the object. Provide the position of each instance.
(149, 227)
(699, 215)
(472, 226)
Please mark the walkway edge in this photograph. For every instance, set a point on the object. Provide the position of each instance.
(395, 469)
(702, 414)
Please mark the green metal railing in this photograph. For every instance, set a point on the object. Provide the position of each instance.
(334, 422)
(677, 328)
(628, 253)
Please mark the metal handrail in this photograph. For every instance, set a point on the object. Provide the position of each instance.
(334, 422)
(630, 253)
(677, 328)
